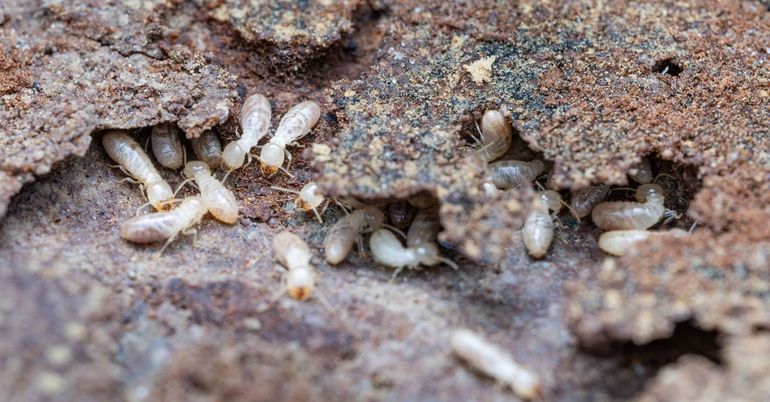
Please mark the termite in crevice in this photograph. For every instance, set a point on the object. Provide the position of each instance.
(255, 121)
(208, 149)
(294, 125)
(309, 198)
(165, 225)
(219, 200)
(648, 211)
(167, 147)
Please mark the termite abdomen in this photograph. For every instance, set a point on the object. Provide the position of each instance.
(167, 146)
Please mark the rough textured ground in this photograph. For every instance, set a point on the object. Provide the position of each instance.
(590, 86)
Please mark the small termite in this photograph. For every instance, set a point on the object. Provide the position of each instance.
(496, 136)
(649, 209)
(509, 173)
(340, 238)
(552, 200)
(641, 172)
(135, 163)
(489, 359)
(294, 125)
(401, 214)
(167, 146)
(618, 242)
(584, 199)
(538, 230)
(309, 198)
(219, 200)
(164, 225)
(423, 199)
(294, 254)
(255, 121)
(208, 149)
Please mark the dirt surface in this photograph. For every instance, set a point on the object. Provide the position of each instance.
(590, 87)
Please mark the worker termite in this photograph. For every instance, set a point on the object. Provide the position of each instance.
(641, 172)
(255, 121)
(496, 136)
(158, 226)
(401, 214)
(294, 125)
(218, 199)
(208, 149)
(509, 173)
(646, 212)
(538, 230)
(167, 146)
(584, 199)
(309, 198)
(294, 254)
(495, 362)
(340, 238)
(135, 163)
(618, 242)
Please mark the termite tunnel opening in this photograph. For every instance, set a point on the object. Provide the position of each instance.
(667, 66)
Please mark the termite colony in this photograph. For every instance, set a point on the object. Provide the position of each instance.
(625, 222)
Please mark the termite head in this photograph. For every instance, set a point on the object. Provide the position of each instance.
(233, 155)
(649, 192)
(309, 197)
(300, 283)
(552, 199)
(271, 158)
(537, 166)
(194, 167)
(159, 193)
(374, 218)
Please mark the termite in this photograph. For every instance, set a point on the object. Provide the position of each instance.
(646, 212)
(163, 225)
(584, 199)
(309, 198)
(255, 121)
(294, 125)
(509, 173)
(340, 238)
(618, 242)
(538, 230)
(401, 214)
(495, 362)
(219, 200)
(552, 200)
(496, 136)
(135, 163)
(294, 254)
(641, 172)
(167, 146)
(208, 149)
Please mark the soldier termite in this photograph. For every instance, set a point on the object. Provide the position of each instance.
(255, 121)
(167, 146)
(509, 173)
(208, 149)
(159, 226)
(641, 172)
(401, 214)
(135, 163)
(618, 242)
(294, 125)
(219, 200)
(646, 212)
(340, 238)
(489, 359)
(496, 136)
(294, 254)
(309, 198)
(584, 199)
(538, 230)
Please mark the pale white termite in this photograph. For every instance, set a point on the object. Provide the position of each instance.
(294, 254)
(208, 149)
(294, 125)
(255, 121)
(552, 200)
(489, 359)
(641, 172)
(496, 136)
(618, 242)
(538, 230)
(135, 163)
(309, 198)
(163, 225)
(219, 200)
(584, 199)
(509, 173)
(341, 237)
(649, 209)
(166, 146)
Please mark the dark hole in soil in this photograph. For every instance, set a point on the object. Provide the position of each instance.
(668, 66)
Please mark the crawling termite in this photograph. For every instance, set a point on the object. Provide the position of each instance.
(208, 149)
(219, 200)
(618, 242)
(255, 121)
(309, 198)
(508, 174)
(136, 164)
(341, 237)
(649, 209)
(584, 199)
(538, 230)
(489, 359)
(294, 125)
(165, 225)
(641, 172)
(166, 146)
(496, 136)
(294, 254)
(401, 214)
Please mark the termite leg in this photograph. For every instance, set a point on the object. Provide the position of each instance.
(449, 262)
(128, 179)
(226, 176)
(288, 159)
(284, 189)
(670, 215)
(344, 207)
(318, 215)
(326, 205)
(194, 232)
(169, 241)
(692, 227)
(395, 274)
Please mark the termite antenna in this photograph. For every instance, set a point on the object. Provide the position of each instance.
(395, 229)
(692, 227)
(449, 262)
(284, 189)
